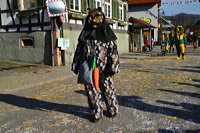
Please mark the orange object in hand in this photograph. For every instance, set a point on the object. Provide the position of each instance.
(96, 78)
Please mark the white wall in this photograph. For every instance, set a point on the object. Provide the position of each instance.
(146, 11)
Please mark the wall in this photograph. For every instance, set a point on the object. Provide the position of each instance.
(10, 47)
(146, 11)
(123, 42)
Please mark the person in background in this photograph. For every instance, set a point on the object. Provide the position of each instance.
(197, 39)
(146, 43)
(180, 40)
(152, 43)
(171, 44)
(167, 41)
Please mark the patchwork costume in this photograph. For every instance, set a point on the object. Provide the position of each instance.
(180, 40)
(98, 41)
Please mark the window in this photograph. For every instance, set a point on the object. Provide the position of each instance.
(97, 3)
(28, 4)
(27, 42)
(108, 8)
(75, 5)
(121, 11)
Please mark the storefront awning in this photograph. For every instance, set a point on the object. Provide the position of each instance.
(141, 23)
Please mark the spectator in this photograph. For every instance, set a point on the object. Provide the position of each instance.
(146, 43)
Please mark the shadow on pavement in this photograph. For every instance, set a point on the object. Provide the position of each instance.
(81, 92)
(30, 103)
(190, 114)
(196, 80)
(195, 69)
(182, 105)
(177, 131)
(186, 70)
(190, 94)
(16, 67)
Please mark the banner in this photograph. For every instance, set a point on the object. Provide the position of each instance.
(180, 2)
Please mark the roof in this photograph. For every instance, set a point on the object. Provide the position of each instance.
(143, 1)
(141, 23)
(166, 21)
(198, 23)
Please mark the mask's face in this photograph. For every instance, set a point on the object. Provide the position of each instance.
(95, 18)
(179, 30)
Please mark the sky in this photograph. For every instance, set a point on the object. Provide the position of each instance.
(187, 6)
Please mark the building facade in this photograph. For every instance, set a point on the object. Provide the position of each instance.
(28, 34)
(146, 11)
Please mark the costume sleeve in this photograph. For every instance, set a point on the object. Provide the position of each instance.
(168, 41)
(113, 59)
(78, 57)
(185, 39)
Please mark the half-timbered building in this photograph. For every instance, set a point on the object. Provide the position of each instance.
(27, 33)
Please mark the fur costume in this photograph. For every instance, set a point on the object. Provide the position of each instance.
(197, 38)
(180, 40)
(167, 41)
(165, 44)
(99, 41)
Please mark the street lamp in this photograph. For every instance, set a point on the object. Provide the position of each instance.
(161, 13)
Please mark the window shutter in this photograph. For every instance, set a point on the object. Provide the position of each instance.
(68, 4)
(91, 4)
(15, 5)
(125, 13)
(83, 6)
(40, 3)
(115, 9)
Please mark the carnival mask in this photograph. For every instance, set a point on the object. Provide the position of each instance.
(95, 18)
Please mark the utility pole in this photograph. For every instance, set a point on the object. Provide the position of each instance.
(160, 15)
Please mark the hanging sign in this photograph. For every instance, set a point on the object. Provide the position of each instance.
(56, 8)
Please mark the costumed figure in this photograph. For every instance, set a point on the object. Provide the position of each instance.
(180, 40)
(171, 44)
(190, 38)
(197, 39)
(97, 45)
(165, 44)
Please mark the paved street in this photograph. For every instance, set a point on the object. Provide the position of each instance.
(156, 94)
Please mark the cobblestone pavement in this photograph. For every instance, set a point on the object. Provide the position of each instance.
(156, 94)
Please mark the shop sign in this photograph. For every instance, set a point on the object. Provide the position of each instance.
(148, 20)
